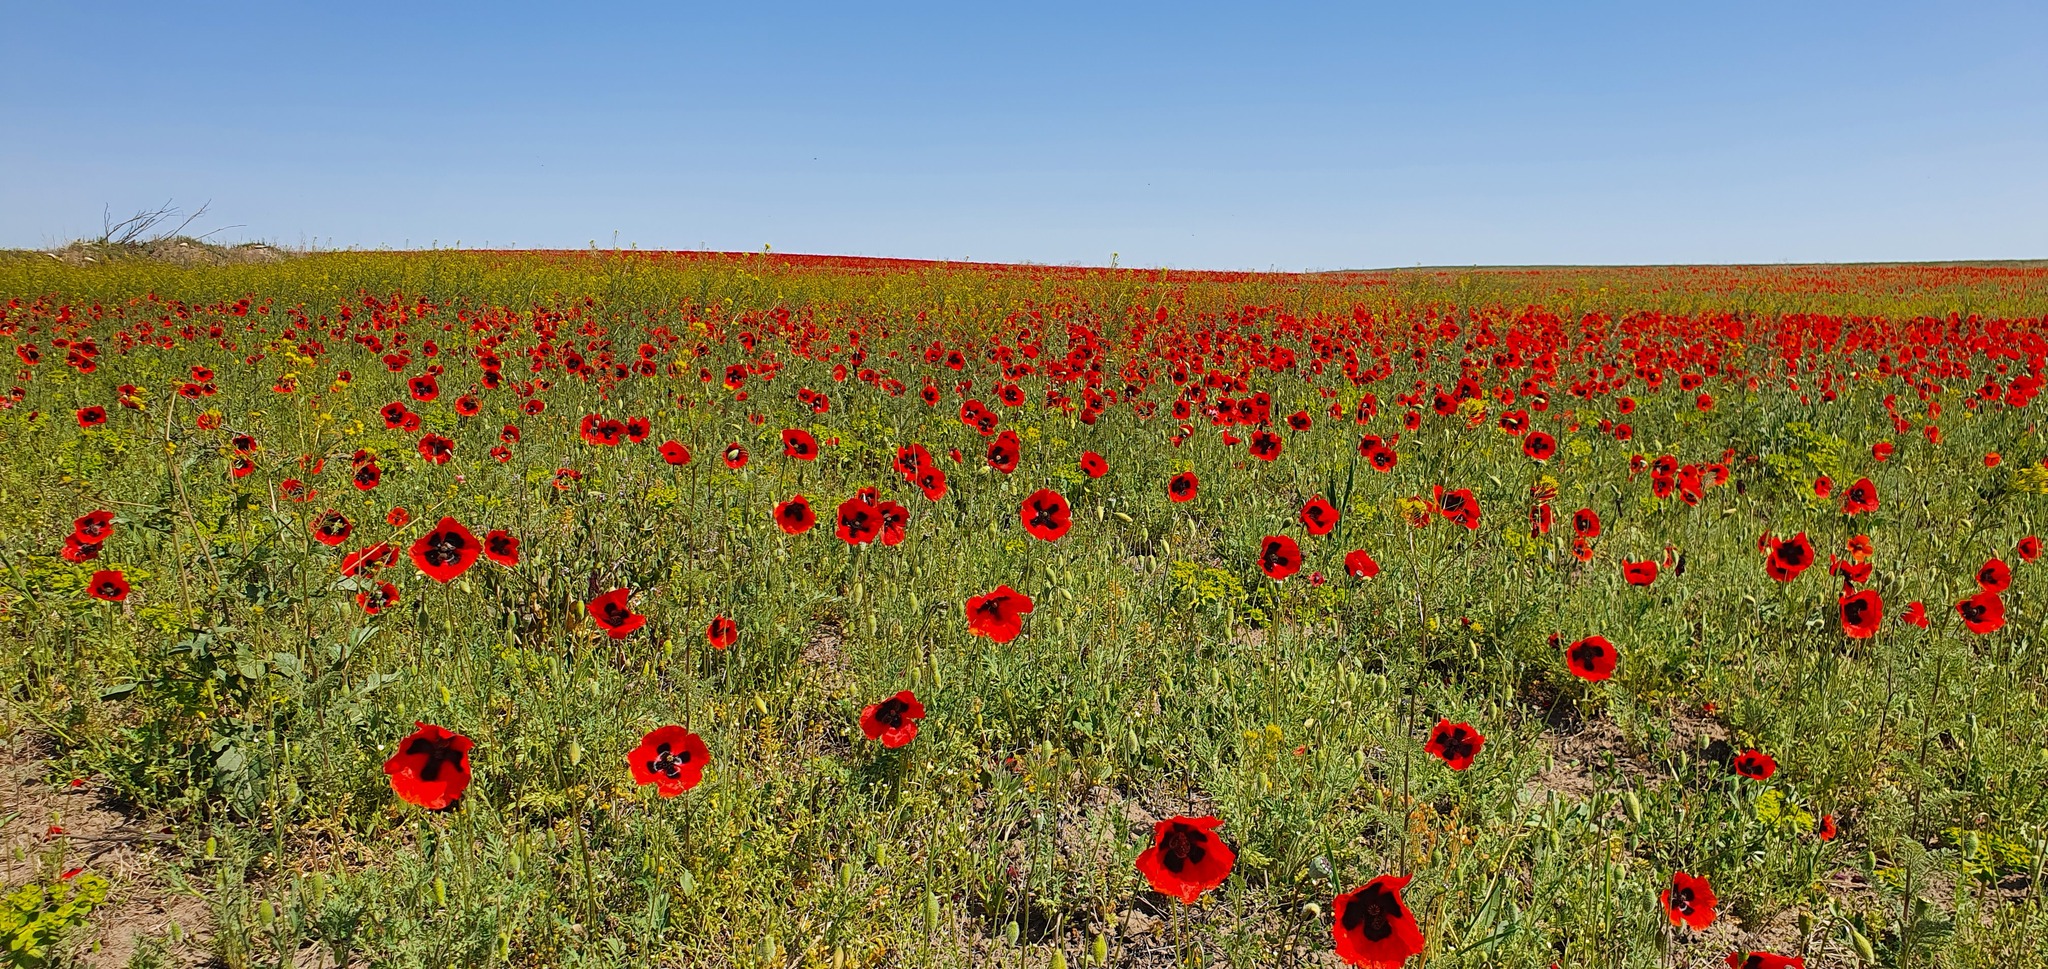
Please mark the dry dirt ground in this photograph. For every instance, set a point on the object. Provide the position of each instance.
(51, 826)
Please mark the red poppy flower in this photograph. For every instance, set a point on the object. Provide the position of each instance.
(366, 476)
(1004, 452)
(1046, 515)
(1586, 523)
(330, 527)
(397, 517)
(1883, 450)
(795, 515)
(1764, 960)
(378, 556)
(468, 406)
(1915, 614)
(91, 417)
(670, 758)
(1861, 614)
(1994, 576)
(501, 547)
(1823, 486)
(1789, 557)
(1860, 497)
(637, 429)
(1381, 458)
(1374, 928)
(932, 482)
(911, 459)
(1983, 612)
(858, 521)
(295, 490)
(1093, 464)
(1639, 573)
(430, 768)
(674, 453)
(1319, 516)
(1186, 858)
(424, 387)
(1825, 829)
(999, 615)
(1266, 445)
(895, 523)
(377, 598)
(735, 456)
(108, 584)
(77, 551)
(1360, 565)
(1455, 743)
(446, 551)
(1459, 506)
(1539, 446)
(722, 633)
(892, 721)
(1181, 487)
(1688, 902)
(1592, 658)
(613, 615)
(799, 444)
(1279, 557)
(94, 527)
(1755, 765)
(2028, 549)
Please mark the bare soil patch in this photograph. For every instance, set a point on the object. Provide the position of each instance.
(53, 826)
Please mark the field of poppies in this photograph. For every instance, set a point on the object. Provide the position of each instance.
(452, 609)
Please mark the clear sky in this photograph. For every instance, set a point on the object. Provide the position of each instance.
(1191, 135)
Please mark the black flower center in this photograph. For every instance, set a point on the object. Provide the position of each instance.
(1456, 743)
(889, 713)
(1045, 514)
(437, 753)
(444, 548)
(1372, 912)
(1587, 655)
(1681, 900)
(668, 762)
(1183, 845)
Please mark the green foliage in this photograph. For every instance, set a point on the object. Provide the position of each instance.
(36, 917)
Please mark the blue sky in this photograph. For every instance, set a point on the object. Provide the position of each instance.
(1188, 135)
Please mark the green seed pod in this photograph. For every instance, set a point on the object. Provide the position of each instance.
(1864, 950)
